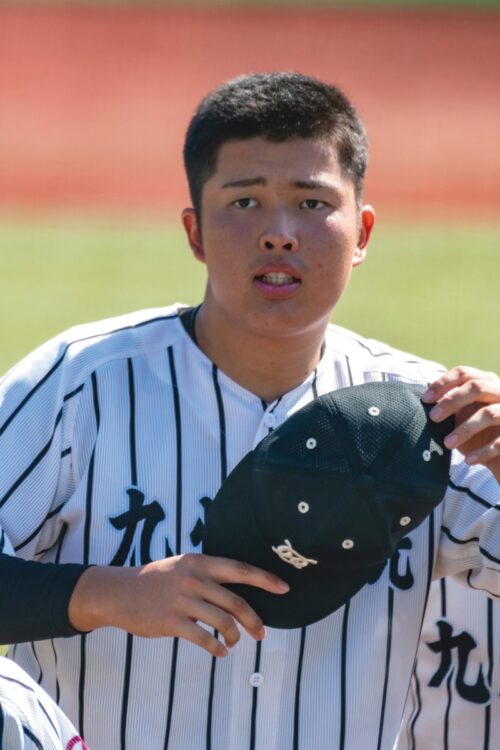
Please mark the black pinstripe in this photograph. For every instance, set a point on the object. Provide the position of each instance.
(178, 528)
(86, 555)
(473, 496)
(58, 687)
(40, 675)
(418, 710)
(134, 481)
(390, 609)
(446, 726)
(442, 587)
(343, 678)
(255, 695)
(455, 540)
(223, 474)
(296, 712)
(349, 371)
(29, 734)
(491, 662)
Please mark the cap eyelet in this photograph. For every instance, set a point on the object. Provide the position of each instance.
(347, 544)
(311, 443)
(374, 411)
(303, 507)
(404, 520)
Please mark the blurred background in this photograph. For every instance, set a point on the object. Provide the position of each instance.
(94, 101)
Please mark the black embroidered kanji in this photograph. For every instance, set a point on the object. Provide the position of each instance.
(402, 581)
(197, 532)
(463, 643)
(152, 514)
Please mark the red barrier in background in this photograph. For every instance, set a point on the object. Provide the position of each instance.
(94, 101)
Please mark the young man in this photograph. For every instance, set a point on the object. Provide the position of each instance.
(116, 436)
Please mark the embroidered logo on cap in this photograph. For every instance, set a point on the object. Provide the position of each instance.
(286, 553)
(433, 448)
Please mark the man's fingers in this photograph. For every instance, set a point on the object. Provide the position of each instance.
(458, 376)
(233, 571)
(473, 393)
(480, 423)
(472, 397)
(235, 607)
(203, 596)
(216, 618)
(200, 636)
(455, 377)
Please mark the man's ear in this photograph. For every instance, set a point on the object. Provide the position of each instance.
(367, 220)
(190, 224)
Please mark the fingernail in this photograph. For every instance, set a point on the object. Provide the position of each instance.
(283, 586)
(451, 440)
(428, 396)
(436, 413)
(472, 459)
(262, 633)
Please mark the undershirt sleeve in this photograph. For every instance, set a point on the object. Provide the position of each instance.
(34, 599)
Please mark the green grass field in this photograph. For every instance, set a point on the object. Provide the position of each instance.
(432, 290)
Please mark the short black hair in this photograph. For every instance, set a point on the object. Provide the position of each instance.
(276, 106)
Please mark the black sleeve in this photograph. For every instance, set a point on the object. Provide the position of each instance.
(34, 599)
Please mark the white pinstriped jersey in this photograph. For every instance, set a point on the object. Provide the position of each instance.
(113, 437)
(29, 718)
(454, 700)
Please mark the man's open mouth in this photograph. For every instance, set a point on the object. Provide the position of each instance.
(278, 278)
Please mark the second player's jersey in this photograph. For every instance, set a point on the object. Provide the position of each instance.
(115, 437)
(29, 718)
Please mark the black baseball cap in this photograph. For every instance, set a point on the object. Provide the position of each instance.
(325, 498)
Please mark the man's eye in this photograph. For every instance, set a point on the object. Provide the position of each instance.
(245, 203)
(312, 204)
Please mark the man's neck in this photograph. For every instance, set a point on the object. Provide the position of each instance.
(265, 366)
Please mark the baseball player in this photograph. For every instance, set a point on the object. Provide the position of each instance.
(116, 436)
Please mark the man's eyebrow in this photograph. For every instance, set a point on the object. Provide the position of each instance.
(313, 185)
(245, 182)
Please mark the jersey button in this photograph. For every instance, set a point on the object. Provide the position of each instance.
(256, 679)
(270, 420)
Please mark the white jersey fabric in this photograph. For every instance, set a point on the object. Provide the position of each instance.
(29, 718)
(113, 438)
(454, 701)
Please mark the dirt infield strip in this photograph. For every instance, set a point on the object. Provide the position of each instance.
(95, 100)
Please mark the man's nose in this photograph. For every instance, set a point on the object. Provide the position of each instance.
(279, 234)
(279, 238)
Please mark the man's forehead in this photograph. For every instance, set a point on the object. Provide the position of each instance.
(245, 162)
